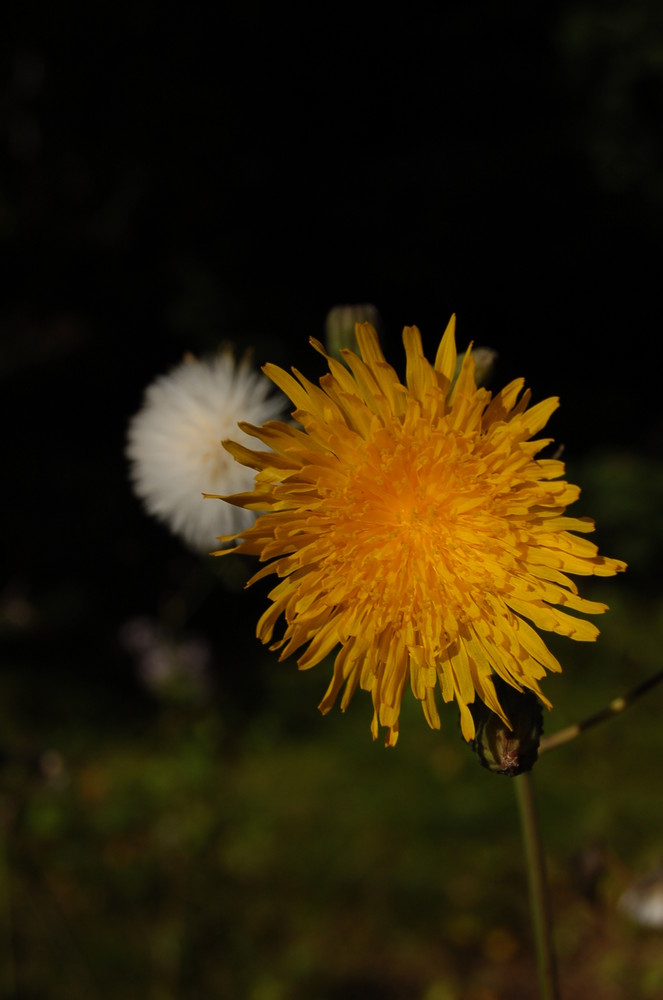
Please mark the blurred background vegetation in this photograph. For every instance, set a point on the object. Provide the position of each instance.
(177, 820)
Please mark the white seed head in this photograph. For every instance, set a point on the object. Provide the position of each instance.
(175, 451)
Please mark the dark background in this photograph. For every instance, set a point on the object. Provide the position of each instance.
(173, 176)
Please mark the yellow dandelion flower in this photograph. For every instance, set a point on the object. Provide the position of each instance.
(413, 526)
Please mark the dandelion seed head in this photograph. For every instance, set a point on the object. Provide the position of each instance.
(175, 451)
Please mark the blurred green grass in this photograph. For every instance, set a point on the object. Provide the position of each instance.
(184, 848)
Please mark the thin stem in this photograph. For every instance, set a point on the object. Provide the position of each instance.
(538, 888)
(614, 708)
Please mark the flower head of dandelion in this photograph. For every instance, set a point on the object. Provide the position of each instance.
(174, 444)
(413, 528)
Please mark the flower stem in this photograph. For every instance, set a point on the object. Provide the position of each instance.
(538, 888)
(616, 706)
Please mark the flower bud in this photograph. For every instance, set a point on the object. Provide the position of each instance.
(502, 749)
(484, 359)
(340, 326)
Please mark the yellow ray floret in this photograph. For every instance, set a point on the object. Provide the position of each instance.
(413, 529)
